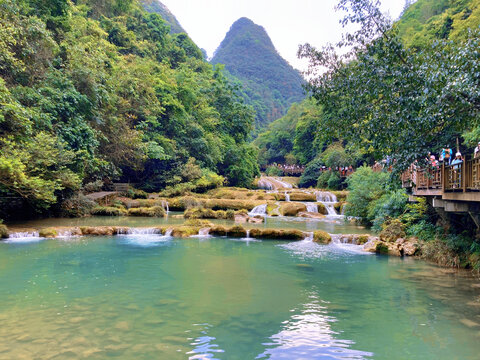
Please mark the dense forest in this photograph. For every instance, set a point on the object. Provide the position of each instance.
(101, 91)
(155, 6)
(268, 82)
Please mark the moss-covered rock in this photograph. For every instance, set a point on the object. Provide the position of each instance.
(48, 233)
(3, 231)
(301, 196)
(108, 211)
(99, 230)
(381, 248)
(219, 230)
(292, 208)
(155, 211)
(202, 213)
(277, 234)
(322, 209)
(322, 237)
(237, 231)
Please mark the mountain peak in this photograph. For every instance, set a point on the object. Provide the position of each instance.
(155, 6)
(270, 84)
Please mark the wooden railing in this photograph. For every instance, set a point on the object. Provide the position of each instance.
(463, 177)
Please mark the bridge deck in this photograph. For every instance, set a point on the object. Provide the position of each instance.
(460, 182)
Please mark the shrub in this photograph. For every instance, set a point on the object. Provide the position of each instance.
(137, 194)
(334, 182)
(392, 230)
(77, 206)
(198, 223)
(154, 211)
(274, 171)
(390, 205)
(322, 181)
(310, 175)
(322, 237)
(365, 187)
(48, 233)
(92, 187)
(108, 211)
(424, 230)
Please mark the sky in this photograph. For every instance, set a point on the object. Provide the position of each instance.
(289, 23)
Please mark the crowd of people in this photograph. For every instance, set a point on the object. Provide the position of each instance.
(446, 157)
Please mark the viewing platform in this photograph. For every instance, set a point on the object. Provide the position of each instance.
(453, 188)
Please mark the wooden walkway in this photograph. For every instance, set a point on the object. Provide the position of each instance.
(459, 182)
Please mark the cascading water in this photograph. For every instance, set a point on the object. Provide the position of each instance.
(25, 237)
(204, 232)
(312, 207)
(141, 231)
(328, 200)
(259, 210)
(265, 184)
(287, 196)
(165, 206)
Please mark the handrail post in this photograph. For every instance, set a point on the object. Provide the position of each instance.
(442, 178)
(464, 172)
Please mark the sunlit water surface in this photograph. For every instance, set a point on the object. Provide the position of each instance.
(152, 297)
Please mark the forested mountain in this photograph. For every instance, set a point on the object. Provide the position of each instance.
(102, 91)
(428, 20)
(270, 84)
(155, 6)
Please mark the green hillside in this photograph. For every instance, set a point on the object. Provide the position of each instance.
(155, 6)
(428, 20)
(101, 92)
(270, 84)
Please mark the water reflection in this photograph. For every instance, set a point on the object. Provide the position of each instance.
(205, 348)
(308, 335)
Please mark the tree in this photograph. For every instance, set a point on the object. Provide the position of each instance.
(398, 101)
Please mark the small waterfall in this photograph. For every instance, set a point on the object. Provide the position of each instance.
(265, 184)
(287, 196)
(204, 231)
(21, 235)
(309, 237)
(259, 210)
(328, 200)
(165, 206)
(168, 233)
(312, 207)
(142, 231)
(248, 234)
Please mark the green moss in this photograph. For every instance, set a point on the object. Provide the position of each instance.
(292, 208)
(322, 237)
(277, 234)
(237, 231)
(362, 239)
(48, 233)
(202, 213)
(3, 231)
(322, 209)
(155, 211)
(382, 248)
(108, 211)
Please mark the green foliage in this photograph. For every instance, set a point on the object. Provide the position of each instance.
(269, 83)
(366, 188)
(312, 172)
(108, 211)
(3, 231)
(100, 90)
(392, 230)
(153, 211)
(428, 20)
(394, 100)
(392, 204)
(274, 171)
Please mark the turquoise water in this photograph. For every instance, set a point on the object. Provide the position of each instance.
(151, 297)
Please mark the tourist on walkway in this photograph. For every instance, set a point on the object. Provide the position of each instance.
(476, 153)
(457, 174)
(446, 156)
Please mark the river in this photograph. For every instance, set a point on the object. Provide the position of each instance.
(148, 296)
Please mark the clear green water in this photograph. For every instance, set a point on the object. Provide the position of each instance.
(333, 226)
(148, 297)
